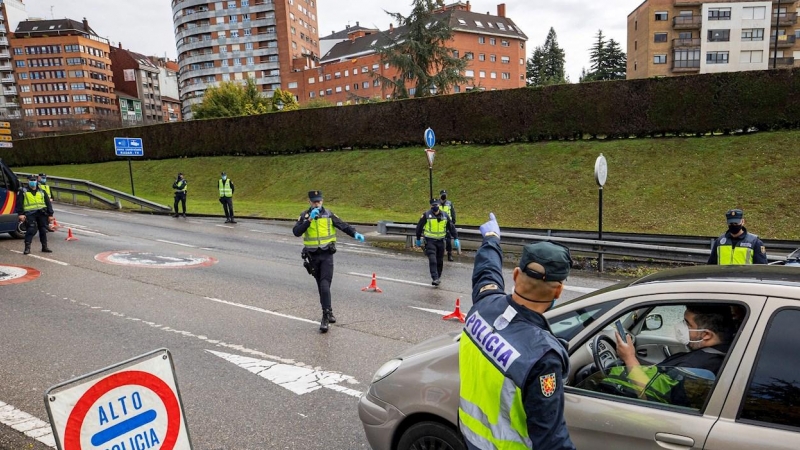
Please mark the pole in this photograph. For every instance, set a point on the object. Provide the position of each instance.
(600, 230)
(130, 170)
(430, 173)
(777, 28)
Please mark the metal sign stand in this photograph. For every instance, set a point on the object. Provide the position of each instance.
(600, 176)
(430, 141)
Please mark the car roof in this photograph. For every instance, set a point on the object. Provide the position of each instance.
(756, 273)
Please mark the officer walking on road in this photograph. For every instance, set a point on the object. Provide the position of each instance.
(737, 246)
(447, 206)
(435, 224)
(226, 188)
(34, 208)
(318, 226)
(512, 367)
(180, 194)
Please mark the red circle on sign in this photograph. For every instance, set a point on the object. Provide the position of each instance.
(72, 434)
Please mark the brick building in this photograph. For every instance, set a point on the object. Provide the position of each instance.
(12, 12)
(137, 76)
(64, 77)
(494, 45)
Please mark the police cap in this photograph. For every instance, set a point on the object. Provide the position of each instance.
(43, 175)
(555, 259)
(443, 192)
(31, 177)
(734, 215)
(315, 196)
(434, 201)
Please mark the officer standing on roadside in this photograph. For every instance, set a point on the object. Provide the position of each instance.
(447, 206)
(435, 224)
(44, 187)
(180, 194)
(34, 208)
(226, 188)
(512, 368)
(737, 246)
(318, 226)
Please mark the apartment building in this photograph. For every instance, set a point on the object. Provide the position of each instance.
(170, 93)
(64, 76)
(239, 39)
(677, 37)
(171, 109)
(349, 72)
(130, 110)
(12, 12)
(137, 76)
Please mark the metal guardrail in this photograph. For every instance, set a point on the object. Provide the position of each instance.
(696, 249)
(75, 187)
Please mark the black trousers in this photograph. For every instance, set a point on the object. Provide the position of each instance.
(180, 197)
(227, 205)
(448, 243)
(434, 250)
(37, 222)
(322, 262)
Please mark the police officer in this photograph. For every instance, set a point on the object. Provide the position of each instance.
(34, 208)
(512, 367)
(447, 206)
(318, 226)
(226, 188)
(435, 224)
(180, 194)
(737, 246)
(43, 185)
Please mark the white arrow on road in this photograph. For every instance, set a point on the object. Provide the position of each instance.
(300, 380)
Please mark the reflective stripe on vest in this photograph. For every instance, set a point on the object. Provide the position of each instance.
(321, 232)
(448, 208)
(46, 190)
(181, 186)
(225, 188)
(657, 389)
(435, 228)
(727, 254)
(491, 412)
(34, 201)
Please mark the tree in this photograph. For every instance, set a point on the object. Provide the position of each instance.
(420, 53)
(608, 60)
(546, 66)
(284, 101)
(231, 99)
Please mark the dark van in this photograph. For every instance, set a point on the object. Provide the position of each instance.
(9, 186)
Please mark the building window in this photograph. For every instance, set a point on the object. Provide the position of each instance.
(347, 73)
(231, 4)
(505, 60)
(251, 60)
(752, 56)
(376, 83)
(327, 77)
(482, 74)
(493, 58)
(719, 14)
(365, 69)
(292, 85)
(248, 45)
(337, 75)
(719, 35)
(717, 58)
(469, 73)
(222, 49)
(311, 94)
(753, 34)
(492, 41)
(481, 57)
(234, 33)
(662, 16)
(226, 77)
(455, 53)
(232, 19)
(660, 37)
(248, 32)
(328, 91)
(754, 13)
(686, 59)
(469, 55)
(504, 43)
(659, 59)
(245, 3)
(493, 75)
(481, 40)
(506, 76)
(19, 63)
(338, 89)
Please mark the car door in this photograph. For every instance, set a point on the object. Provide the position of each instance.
(599, 421)
(763, 408)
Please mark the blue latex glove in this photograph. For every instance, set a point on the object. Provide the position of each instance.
(314, 213)
(419, 242)
(458, 244)
(359, 237)
(490, 226)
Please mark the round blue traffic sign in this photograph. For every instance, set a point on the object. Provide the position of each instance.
(430, 138)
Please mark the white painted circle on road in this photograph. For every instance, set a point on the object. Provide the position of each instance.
(160, 260)
(17, 274)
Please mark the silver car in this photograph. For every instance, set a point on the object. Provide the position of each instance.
(753, 401)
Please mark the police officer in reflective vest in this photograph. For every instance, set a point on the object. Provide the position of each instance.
(435, 224)
(43, 185)
(34, 208)
(737, 246)
(226, 188)
(512, 368)
(447, 206)
(318, 226)
(180, 194)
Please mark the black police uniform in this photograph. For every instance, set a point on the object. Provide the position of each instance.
(452, 213)
(36, 221)
(180, 194)
(434, 248)
(749, 239)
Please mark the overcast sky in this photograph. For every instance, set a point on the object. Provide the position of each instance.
(145, 26)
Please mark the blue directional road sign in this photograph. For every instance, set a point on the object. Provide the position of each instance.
(128, 146)
(430, 138)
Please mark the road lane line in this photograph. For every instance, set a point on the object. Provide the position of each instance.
(582, 290)
(70, 212)
(435, 311)
(27, 424)
(224, 226)
(42, 258)
(176, 243)
(257, 309)
(364, 275)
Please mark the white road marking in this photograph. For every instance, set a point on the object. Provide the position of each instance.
(300, 380)
(225, 226)
(70, 212)
(176, 243)
(82, 228)
(435, 311)
(364, 275)
(257, 309)
(42, 258)
(582, 290)
(27, 424)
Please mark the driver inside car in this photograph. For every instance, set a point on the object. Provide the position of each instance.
(706, 329)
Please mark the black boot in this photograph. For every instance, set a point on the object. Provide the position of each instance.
(450, 257)
(45, 249)
(27, 249)
(323, 324)
(331, 317)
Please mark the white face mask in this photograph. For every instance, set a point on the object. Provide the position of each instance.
(682, 333)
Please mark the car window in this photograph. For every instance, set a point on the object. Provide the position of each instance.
(773, 393)
(670, 315)
(568, 325)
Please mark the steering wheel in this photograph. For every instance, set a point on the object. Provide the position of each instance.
(610, 349)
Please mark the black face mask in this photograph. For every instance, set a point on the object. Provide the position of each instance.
(435, 209)
(734, 228)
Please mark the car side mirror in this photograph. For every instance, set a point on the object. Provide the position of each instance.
(653, 322)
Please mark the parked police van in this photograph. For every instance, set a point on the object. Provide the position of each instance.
(9, 186)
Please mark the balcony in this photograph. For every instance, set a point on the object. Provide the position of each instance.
(783, 41)
(5, 67)
(5, 55)
(10, 91)
(686, 43)
(690, 65)
(786, 19)
(7, 80)
(692, 22)
(3, 41)
(785, 61)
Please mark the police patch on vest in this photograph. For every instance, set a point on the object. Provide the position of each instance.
(746, 245)
(723, 241)
(548, 384)
(490, 343)
(763, 249)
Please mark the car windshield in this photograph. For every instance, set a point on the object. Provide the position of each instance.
(568, 325)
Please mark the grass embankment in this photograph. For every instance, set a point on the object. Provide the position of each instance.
(673, 186)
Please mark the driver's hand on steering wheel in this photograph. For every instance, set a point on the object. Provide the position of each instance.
(625, 350)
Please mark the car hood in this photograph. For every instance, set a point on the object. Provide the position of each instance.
(431, 344)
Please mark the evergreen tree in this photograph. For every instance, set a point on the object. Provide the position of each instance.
(420, 53)
(533, 68)
(231, 99)
(546, 64)
(284, 101)
(616, 61)
(608, 61)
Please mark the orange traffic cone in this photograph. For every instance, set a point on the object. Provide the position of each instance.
(373, 286)
(457, 314)
(55, 224)
(70, 237)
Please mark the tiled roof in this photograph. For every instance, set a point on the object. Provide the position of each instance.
(51, 26)
(343, 34)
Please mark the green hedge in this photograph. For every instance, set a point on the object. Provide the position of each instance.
(679, 105)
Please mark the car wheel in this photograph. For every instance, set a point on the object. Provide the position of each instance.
(16, 234)
(431, 436)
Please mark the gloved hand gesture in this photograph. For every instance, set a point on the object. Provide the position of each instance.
(491, 226)
(458, 245)
(419, 242)
(314, 213)
(359, 237)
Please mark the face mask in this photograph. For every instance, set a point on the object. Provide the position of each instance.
(224, 177)
(43, 181)
(682, 333)
(32, 184)
(552, 305)
(435, 208)
(734, 229)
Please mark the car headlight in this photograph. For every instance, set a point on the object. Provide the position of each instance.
(386, 370)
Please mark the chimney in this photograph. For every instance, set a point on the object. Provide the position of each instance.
(120, 45)
(469, 7)
(85, 24)
(501, 10)
(391, 28)
(357, 23)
